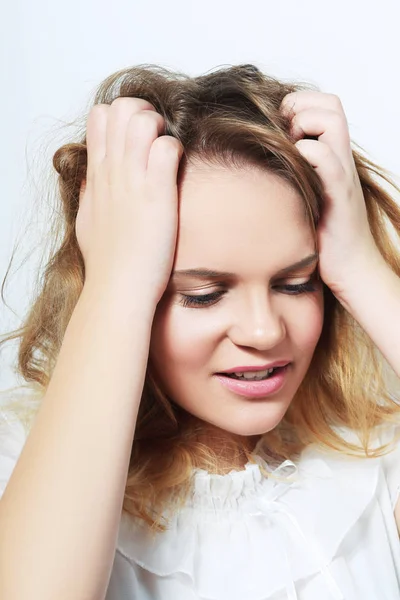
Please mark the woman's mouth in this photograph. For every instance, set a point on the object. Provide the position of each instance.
(258, 385)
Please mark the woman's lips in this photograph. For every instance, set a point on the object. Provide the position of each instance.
(255, 389)
(277, 363)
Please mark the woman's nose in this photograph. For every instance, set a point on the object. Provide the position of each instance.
(257, 324)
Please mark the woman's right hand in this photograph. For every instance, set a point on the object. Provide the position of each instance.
(127, 220)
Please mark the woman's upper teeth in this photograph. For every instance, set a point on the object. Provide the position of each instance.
(252, 374)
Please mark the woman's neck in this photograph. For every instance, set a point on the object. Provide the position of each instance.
(229, 448)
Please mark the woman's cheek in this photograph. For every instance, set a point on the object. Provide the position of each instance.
(309, 326)
(179, 337)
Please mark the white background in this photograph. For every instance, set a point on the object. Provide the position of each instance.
(54, 54)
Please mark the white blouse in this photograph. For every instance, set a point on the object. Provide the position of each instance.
(325, 530)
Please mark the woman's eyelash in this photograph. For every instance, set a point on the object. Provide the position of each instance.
(208, 299)
(300, 288)
(200, 300)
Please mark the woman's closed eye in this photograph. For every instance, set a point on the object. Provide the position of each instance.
(204, 300)
(214, 297)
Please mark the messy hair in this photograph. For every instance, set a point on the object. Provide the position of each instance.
(227, 117)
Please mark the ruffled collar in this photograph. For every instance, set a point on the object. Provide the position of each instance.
(229, 491)
(298, 517)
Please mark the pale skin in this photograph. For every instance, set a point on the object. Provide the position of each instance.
(350, 262)
(126, 230)
(254, 321)
(257, 317)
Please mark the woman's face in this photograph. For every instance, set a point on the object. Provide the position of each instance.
(248, 223)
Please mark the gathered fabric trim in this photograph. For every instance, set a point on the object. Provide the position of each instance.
(260, 529)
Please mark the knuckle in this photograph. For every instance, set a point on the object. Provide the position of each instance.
(147, 120)
(168, 145)
(336, 101)
(295, 121)
(128, 103)
(98, 111)
(122, 103)
(289, 98)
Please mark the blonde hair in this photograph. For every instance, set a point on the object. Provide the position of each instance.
(229, 116)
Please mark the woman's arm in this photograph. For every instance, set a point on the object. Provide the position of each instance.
(350, 263)
(372, 297)
(60, 512)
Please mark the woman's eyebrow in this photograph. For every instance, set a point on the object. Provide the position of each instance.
(207, 274)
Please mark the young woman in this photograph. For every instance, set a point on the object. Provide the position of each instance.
(215, 350)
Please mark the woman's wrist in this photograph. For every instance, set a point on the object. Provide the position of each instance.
(119, 305)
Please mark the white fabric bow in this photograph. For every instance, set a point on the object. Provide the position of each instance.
(271, 506)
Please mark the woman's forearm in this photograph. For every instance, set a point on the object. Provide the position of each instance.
(372, 297)
(60, 512)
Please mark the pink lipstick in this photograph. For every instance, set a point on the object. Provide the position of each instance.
(254, 388)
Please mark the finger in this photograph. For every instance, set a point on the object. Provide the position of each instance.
(143, 128)
(120, 113)
(96, 132)
(295, 102)
(164, 157)
(327, 165)
(328, 125)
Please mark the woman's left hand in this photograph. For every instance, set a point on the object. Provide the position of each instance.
(345, 241)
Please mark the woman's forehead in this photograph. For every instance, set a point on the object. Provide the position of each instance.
(207, 188)
(234, 216)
